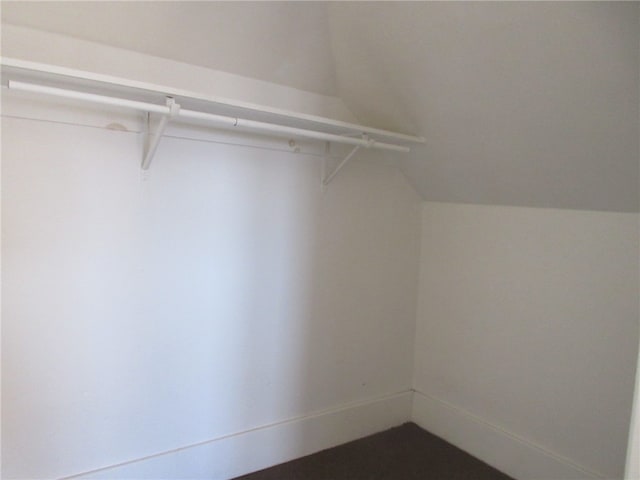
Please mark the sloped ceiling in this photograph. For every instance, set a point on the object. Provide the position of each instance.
(522, 103)
(531, 104)
(280, 42)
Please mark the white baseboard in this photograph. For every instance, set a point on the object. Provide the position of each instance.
(255, 449)
(503, 450)
(262, 447)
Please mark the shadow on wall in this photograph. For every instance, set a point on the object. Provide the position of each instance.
(238, 272)
(143, 316)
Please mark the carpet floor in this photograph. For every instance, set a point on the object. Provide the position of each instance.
(402, 453)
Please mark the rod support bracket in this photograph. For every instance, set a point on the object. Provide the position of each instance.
(326, 178)
(152, 139)
(370, 141)
(174, 107)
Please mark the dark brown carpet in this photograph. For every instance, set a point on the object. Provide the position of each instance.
(402, 453)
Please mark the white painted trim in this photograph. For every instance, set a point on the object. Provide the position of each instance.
(264, 446)
(510, 453)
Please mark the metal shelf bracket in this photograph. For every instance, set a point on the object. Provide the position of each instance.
(326, 178)
(153, 139)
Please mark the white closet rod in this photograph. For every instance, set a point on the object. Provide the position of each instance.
(208, 117)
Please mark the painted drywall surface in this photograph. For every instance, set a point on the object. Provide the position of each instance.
(223, 293)
(60, 50)
(521, 103)
(281, 42)
(528, 320)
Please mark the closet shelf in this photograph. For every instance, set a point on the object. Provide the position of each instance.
(190, 106)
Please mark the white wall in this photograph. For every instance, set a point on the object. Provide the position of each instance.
(293, 37)
(32, 45)
(527, 336)
(223, 293)
(131, 306)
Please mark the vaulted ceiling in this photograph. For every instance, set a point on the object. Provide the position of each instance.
(524, 103)
(280, 42)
